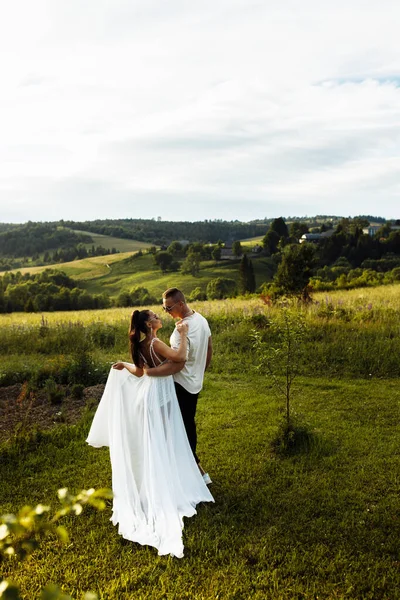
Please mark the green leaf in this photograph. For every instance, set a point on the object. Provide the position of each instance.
(77, 508)
(103, 493)
(53, 592)
(62, 534)
(62, 493)
(4, 531)
(99, 504)
(9, 591)
(40, 509)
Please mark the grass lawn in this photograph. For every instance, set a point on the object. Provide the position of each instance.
(323, 522)
(116, 273)
(252, 241)
(84, 268)
(109, 242)
(141, 271)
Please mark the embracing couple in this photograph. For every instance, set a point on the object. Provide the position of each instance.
(147, 418)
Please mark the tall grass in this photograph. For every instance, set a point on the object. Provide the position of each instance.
(346, 334)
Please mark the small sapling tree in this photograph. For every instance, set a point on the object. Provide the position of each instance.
(280, 360)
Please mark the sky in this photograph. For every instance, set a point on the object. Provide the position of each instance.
(187, 110)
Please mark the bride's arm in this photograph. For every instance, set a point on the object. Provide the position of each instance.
(174, 354)
(167, 368)
(130, 367)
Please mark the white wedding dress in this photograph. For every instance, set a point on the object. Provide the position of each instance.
(155, 479)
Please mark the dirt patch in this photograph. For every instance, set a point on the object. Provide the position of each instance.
(20, 410)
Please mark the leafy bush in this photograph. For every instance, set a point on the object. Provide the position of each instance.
(102, 335)
(138, 296)
(22, 534)
(53, 391)
(197, 294)
(77, 390)
(220, 288)
(46, 291)
(82, 369)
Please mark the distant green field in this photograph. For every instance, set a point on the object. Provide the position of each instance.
(252, 241)
(109, 242)
(116, 273)
(131, 272)
(82, 269)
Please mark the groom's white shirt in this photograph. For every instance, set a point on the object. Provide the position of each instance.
(192, 375)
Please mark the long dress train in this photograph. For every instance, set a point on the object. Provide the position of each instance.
(155, 479)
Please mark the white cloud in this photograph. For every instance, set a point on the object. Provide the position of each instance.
(198, 110)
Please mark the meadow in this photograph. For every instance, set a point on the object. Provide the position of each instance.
(116, 273)
(108, 241)
(319, 521)
(84, 268)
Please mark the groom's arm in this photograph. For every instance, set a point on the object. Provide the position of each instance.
(209, 352)
(167, 368)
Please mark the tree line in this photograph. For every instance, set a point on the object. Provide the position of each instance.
(32, 238)
(76, 253)
(49, 290)
(347, 256)
(163, 232)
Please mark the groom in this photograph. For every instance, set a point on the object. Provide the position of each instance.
(189, 379)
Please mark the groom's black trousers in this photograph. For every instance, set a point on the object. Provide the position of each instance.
(188, 404)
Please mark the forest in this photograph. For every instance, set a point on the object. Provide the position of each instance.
(46, 291)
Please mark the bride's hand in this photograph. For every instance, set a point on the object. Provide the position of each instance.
(119, 366)
(182, 327)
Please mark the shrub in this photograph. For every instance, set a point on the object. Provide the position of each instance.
(53, 391)
(102, 335)
(81, 369)
(77, 391)
(23, 533)
(140, 296)
(197, 294)
(220, 288)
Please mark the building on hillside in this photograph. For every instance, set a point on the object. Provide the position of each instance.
(315, 237)
(227, 252)
(372, 229)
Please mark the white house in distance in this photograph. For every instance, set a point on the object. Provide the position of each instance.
(372, 229)
(315, 237)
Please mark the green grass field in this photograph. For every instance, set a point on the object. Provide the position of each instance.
(322, 523)
(116, 273)
(109, 242)
(252, 241)
(142, 271)
(86, 268)
(319, 522)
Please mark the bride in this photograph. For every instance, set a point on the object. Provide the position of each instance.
(155, 479)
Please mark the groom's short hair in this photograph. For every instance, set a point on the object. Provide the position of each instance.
(175, 294)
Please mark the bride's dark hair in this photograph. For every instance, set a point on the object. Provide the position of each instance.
(137, 326)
